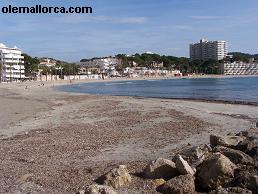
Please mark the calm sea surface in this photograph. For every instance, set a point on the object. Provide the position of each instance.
(242, 89)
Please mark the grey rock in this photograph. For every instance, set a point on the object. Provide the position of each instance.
(226, 141)
(249, 146)
(117, 177)
(183, 184)
(196, 155)
(247, 180)
(251, 133)
(235, 156)
(182, 166)
(161, 168)
(216, 171)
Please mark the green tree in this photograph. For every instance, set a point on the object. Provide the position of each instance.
(31, 65)
(185, 65)
(124, 61)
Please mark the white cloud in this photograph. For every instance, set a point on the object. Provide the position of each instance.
(177, 27)
(174, 49)
(207, 17)
(116, 20)
(129, 20)
(183, 27)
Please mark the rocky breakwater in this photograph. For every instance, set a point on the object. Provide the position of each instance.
(229, 165)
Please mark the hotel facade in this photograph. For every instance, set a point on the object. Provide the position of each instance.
(205, 50)
(241, 68)
(99, 64)
(11, 64)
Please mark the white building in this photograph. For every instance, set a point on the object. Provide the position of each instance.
(104, 64)
(144, 71)
(11, 64)
(241, 68)
(206, 50)
(47, 62)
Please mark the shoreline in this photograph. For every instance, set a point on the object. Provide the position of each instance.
(202, 100)
(50, 88)
(169, 98)
(75, 81)
(239, 102)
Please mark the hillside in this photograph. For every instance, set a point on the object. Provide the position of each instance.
(243, 56)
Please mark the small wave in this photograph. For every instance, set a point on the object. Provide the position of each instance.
(121, 83)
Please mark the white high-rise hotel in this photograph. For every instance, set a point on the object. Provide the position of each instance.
(11, 64)
(206, 50)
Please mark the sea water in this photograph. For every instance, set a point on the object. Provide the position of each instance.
(241, 89)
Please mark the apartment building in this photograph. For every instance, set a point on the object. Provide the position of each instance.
(11, 64)
(205, 50)
(241, 68)
(104, 64)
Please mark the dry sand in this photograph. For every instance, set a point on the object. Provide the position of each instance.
(55, 142)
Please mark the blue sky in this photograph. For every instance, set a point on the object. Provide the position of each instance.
(130, 26)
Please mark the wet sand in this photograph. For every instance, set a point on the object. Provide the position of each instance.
(55, 142)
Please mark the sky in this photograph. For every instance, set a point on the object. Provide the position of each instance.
(165, 27)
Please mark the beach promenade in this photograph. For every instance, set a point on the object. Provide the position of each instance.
(56, 142)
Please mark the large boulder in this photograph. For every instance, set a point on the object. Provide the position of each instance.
(183, 184)
(117, 177)
(196, 155)
(248, 146)
(97, 189)
(236, 156)
(182, 166)
(247, 180)
(226, 141)
(216, 171)
(250, 133)
(161, 168)
(192, 154)
(231, 190)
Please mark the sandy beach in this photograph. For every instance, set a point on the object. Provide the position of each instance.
(56, 142)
